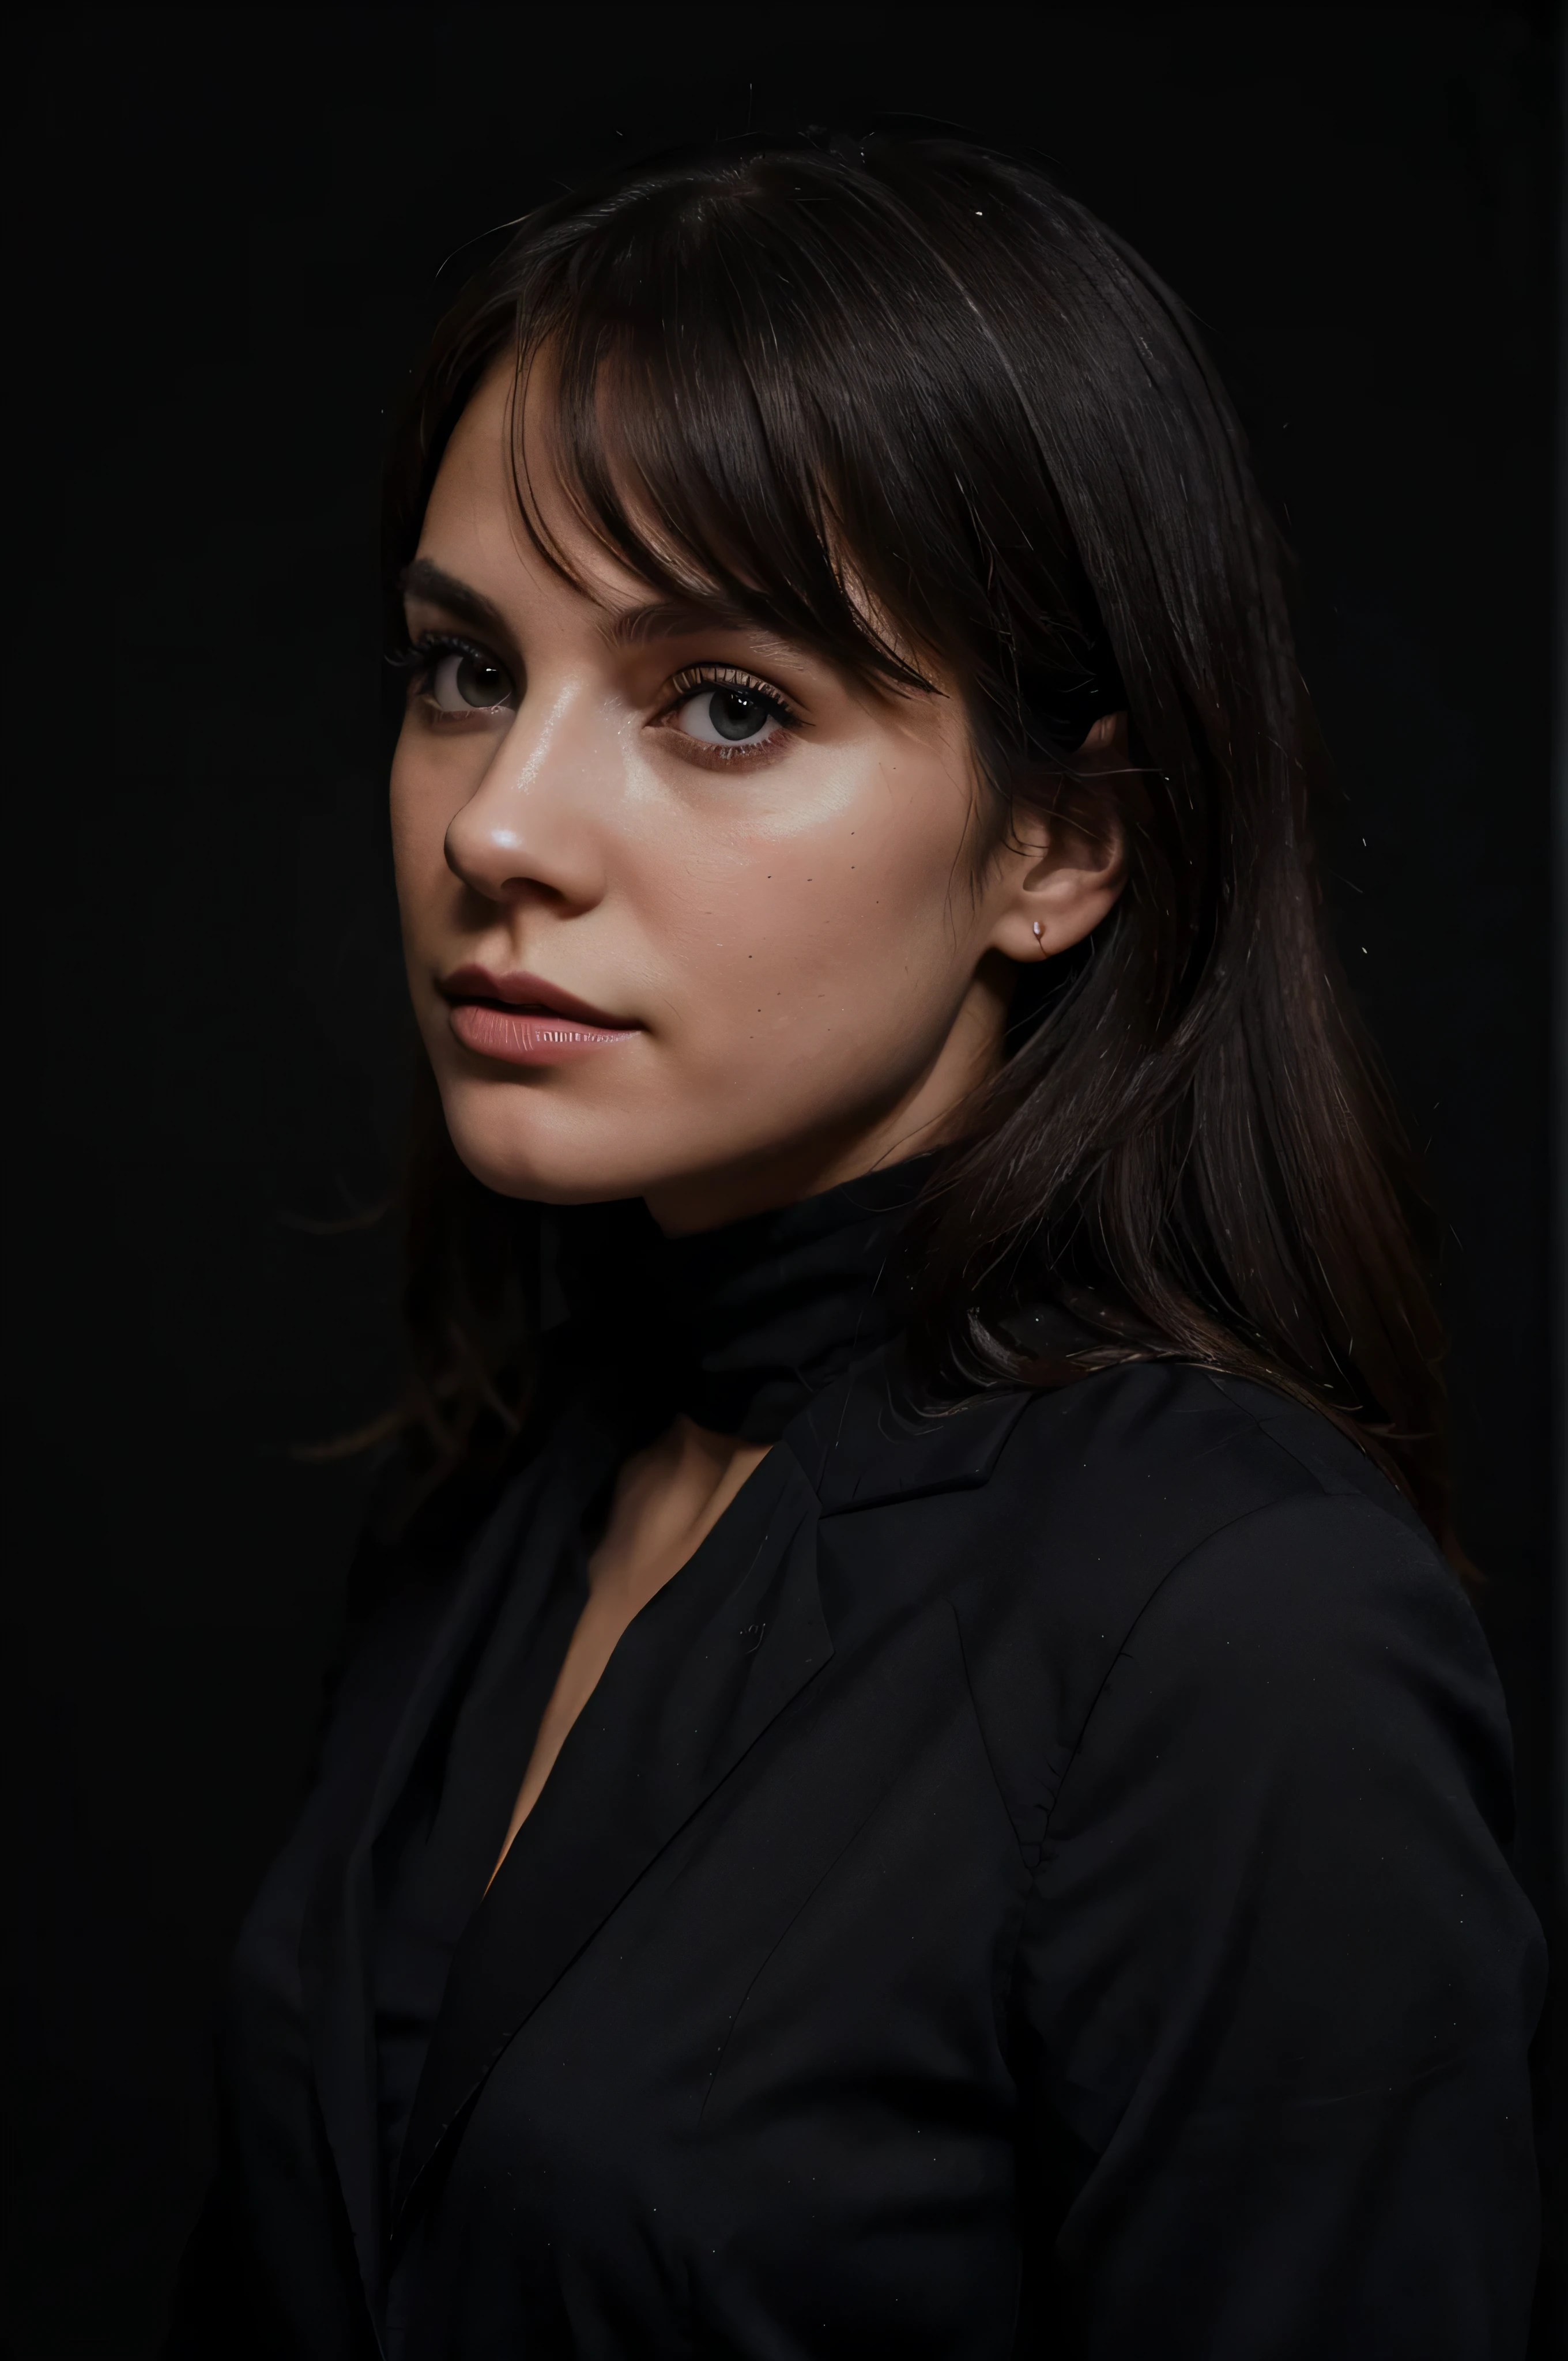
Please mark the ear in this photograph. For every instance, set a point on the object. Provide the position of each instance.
(1059, 875)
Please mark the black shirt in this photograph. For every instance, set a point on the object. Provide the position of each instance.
(738, 1328)
(1031, 1881)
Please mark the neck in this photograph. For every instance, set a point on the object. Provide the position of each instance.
(667, 1501)
(737, 1327)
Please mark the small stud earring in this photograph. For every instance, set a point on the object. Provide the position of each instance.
(1043, 953)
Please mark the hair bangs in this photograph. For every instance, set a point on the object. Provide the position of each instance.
(713, 477)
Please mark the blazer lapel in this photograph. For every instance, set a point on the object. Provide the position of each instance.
(335, 1947)
(695, 1679)
(865, 1444)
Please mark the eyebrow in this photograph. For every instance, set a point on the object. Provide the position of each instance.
(425, 579)
(671, 619)
(659, 619)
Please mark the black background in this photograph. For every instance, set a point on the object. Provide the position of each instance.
(223, 251)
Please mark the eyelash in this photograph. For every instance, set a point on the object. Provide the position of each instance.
(418, 658)
(697, 677)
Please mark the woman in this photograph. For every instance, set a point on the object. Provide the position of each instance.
(912, 1778)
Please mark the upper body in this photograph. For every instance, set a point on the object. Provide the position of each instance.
(915, 1777)
(1033, 1881)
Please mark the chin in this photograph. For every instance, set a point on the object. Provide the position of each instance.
(515, 1143)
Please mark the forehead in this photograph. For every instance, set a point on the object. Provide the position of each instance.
(500, 467)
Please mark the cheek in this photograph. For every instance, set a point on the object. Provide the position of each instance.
(845, 934)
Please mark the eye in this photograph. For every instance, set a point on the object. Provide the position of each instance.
(461, 679)
(729, 713)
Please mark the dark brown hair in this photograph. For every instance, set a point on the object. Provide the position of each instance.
(904, 402)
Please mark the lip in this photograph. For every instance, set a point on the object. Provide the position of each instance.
(524, 1020)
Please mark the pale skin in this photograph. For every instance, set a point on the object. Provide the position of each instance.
(805, 975)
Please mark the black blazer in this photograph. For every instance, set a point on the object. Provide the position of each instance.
(1031, 1884)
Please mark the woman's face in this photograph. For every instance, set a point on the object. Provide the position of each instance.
(688, 915)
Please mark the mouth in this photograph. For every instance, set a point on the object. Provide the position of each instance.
(522, 1020)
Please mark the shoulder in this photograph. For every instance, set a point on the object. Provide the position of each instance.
(1160, 1456)
(1089, 1497)
(1235, 1500)
(1202, 1568)
(1237, 1542)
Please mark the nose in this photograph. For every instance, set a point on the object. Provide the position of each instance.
(532, 828)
